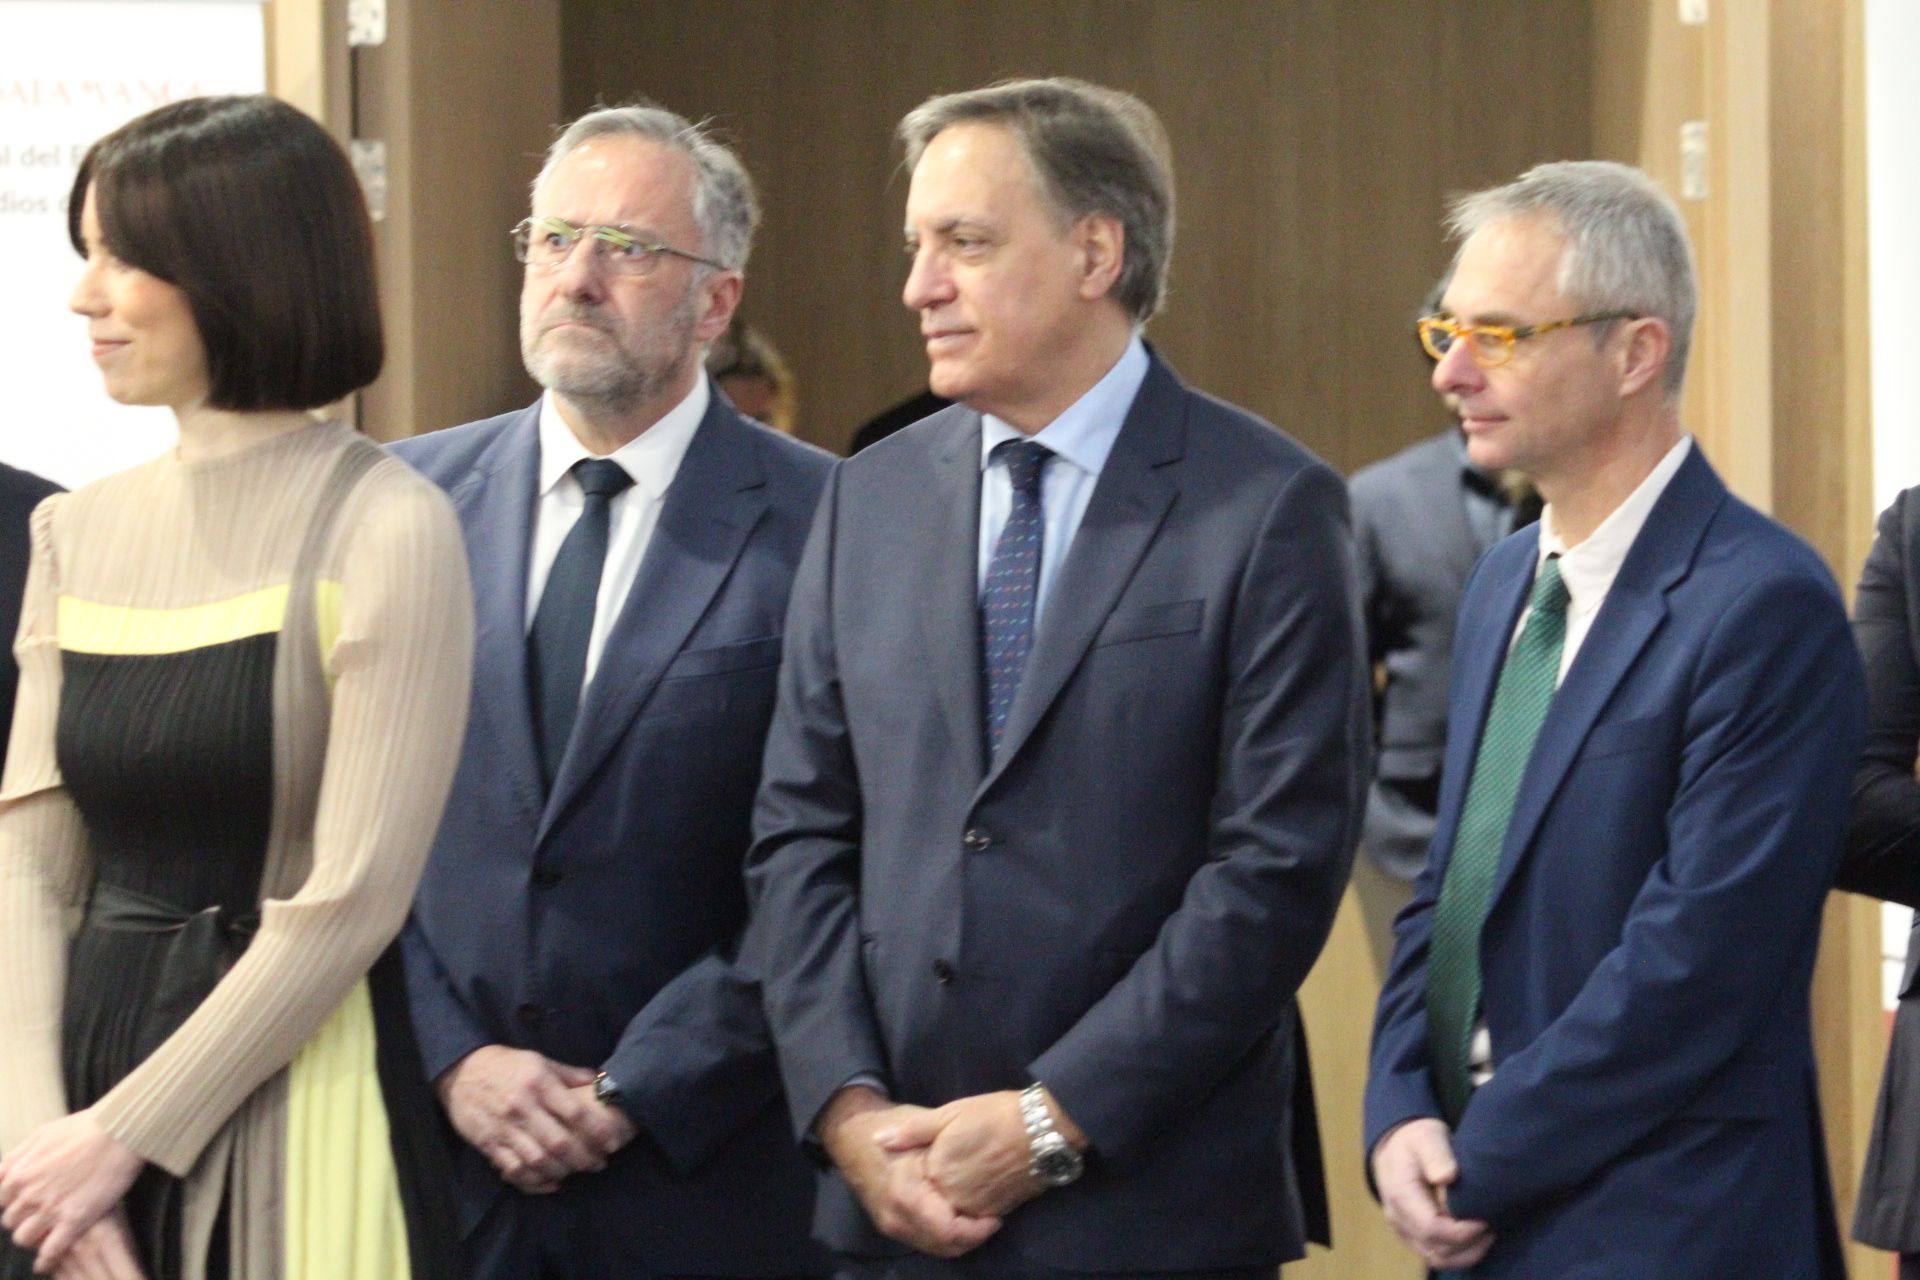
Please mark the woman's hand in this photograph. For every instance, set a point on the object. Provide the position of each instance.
(62, 1180)
(104, 1251)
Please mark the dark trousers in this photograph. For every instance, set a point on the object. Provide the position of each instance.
(920, 1267)
(506, 1245)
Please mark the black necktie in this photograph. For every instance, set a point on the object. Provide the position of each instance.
(1013, 585)
(563, 624)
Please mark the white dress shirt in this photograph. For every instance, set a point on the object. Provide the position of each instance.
(1081, 438)
(1588, 570)
(653, 459)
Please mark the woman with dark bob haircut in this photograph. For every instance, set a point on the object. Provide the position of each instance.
(243, 683)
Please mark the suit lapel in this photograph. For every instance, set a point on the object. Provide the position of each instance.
(950, 596)
(495, 503)
(716, 498)
(1635, 607)
(1129, 502)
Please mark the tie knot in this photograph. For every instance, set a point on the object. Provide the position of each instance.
(1025, 461)
(1549, 592)
(601, 477)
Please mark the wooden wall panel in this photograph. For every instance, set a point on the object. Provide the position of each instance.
(465, 96)
(1823, 472)
(1313, 141)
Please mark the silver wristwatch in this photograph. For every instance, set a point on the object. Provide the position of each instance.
(1050, 1158)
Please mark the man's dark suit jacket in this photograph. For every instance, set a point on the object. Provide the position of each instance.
(1650, 940)
(1123, 903)
(1414, 546)
(596, 925)
(1883, 856)
(20, 492)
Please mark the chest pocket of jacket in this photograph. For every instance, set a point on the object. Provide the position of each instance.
(1619, 737)
(740, 655)
(1152, 621)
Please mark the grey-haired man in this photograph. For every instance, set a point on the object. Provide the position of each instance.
(573, 958)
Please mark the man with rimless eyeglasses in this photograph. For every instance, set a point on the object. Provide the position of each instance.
(573, 958)
(1593, 1055)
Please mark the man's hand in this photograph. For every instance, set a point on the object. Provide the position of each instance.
(607, 1128)
(1412, 1168)
(533, 1118)
(104, 1251)
(978, 1151)
(67, 1176)
(860, 1129)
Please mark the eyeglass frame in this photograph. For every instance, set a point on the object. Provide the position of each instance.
(618, 237)
(1510, 336)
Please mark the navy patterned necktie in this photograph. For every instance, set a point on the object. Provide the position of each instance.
(1525, 690)
(563, 622)
(1013, 585)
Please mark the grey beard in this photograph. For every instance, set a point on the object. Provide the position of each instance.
(613, 381)
(613, 385)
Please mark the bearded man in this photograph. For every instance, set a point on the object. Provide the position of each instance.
(572, 959)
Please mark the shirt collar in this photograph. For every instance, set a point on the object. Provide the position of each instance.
(1085, 432)
(1590, 568)
(652, 458)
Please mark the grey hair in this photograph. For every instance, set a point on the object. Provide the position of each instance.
(1627, 247)
(724, 205)
(1096, 151)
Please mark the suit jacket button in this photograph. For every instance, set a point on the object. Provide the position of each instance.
(531, 1014)
(976, 839)
(942, 972)
(546, 877)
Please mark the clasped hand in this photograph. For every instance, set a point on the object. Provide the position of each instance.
(1412, 1168)
(535, 1120)
(61, 1190)
(939, 1179)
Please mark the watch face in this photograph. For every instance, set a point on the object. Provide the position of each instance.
(1056, 1163)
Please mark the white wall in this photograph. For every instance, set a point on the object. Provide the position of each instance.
(71, 70)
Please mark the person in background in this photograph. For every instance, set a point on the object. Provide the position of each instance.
(1421, 520)
(1883, 860)
(586, 1014)
(1067, 769)
(894, 417)
(243, 676)
(20, 492)
(754, 376)
(1593, 1052)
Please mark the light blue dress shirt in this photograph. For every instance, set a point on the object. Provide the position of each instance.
(1081, 438)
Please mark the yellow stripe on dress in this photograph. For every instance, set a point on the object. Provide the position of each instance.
(87, 626)
(343, 1215)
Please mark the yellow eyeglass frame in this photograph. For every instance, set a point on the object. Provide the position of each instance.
(1491, 345)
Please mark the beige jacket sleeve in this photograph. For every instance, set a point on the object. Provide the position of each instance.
(45, 865)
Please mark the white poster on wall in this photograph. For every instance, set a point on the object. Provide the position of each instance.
(71, 70)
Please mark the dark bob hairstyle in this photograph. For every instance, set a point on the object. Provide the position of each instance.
(251, 209)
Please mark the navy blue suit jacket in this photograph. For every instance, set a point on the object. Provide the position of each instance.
(598, 925)
(1123, 903)
(1651, 935)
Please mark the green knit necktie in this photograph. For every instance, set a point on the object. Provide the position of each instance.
(1520, 704)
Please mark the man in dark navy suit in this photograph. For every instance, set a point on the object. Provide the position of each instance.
(1066, 774)
(1593, 1054)
(574, 960)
